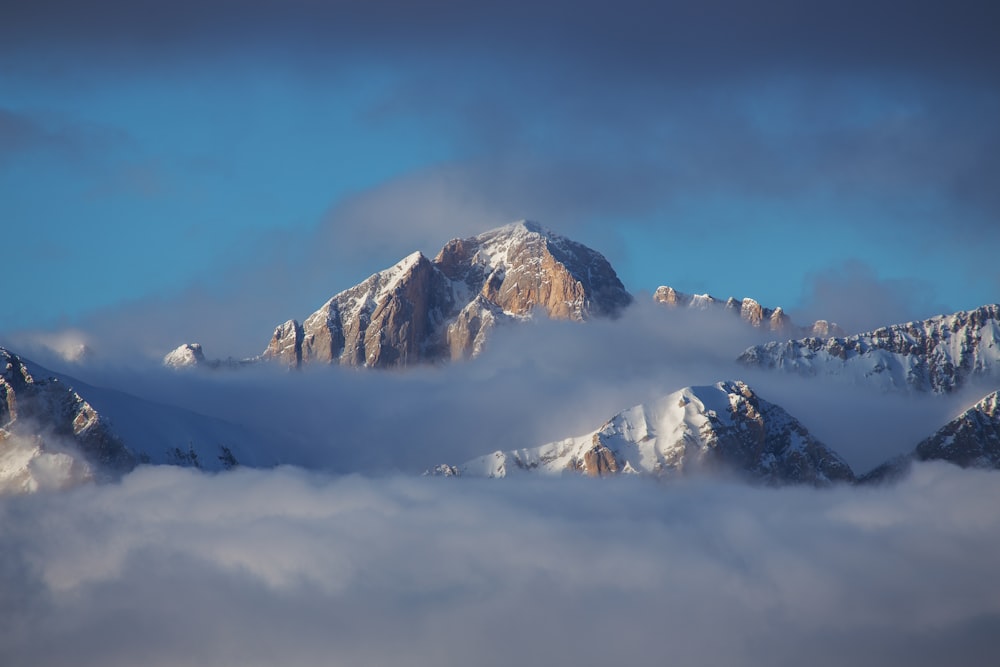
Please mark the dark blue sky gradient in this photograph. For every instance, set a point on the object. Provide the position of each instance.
(165, 165)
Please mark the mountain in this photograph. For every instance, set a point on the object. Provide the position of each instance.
(725, 428)
(748, 310)
(185, 356)
(423, 310)
(938, 355)
(971, 440)
(159, 433)
(49, 435)
(191, 355)
(57, 431)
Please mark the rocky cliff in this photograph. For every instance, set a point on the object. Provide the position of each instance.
(748, 310)
(423, 310)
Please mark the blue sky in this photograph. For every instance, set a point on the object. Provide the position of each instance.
(203, 171)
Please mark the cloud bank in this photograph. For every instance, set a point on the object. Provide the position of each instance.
(259, 567)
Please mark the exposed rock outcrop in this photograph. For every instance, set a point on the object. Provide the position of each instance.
(749, 310)
(423, 310)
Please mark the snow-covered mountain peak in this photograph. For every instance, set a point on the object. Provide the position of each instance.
(187, 355)
(721, 427)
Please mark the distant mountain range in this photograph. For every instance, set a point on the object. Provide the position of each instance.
(749, 310)
(57, 431)
(431, 310)
(724, 428)
(939, 355)
(728, 429)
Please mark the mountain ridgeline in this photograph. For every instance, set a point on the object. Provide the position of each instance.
(49, 435)
(747, 309)
(424, 310)
(939, 355)
(725, 428)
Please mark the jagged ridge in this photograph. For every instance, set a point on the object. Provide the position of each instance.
(723, 427)
(971, 440)
(938, 355)
(747, 309)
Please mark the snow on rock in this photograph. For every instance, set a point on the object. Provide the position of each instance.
(748, 310)
(970, 440)
(939, 355)
(187, 355)
(423, 310)
(724, 428)
(50, 437)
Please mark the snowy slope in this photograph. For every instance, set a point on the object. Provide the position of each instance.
(56, 431)
(938, 355)
(50, 436)
(187, 355)
(164, 434)
(724, 427)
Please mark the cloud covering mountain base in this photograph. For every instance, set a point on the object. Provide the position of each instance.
(174, 566)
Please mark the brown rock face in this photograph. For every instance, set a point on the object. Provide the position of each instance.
(403, 327)
(748, 310)
(778, 321)
(286, 344)
(427, 311)
(391, 319)
(599, 461)
(467, 334)
(669, 296)
(523, 267)
(752, 312)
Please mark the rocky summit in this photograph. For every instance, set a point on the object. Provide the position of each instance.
(747, 309)
(429, 310)
(725, 427)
